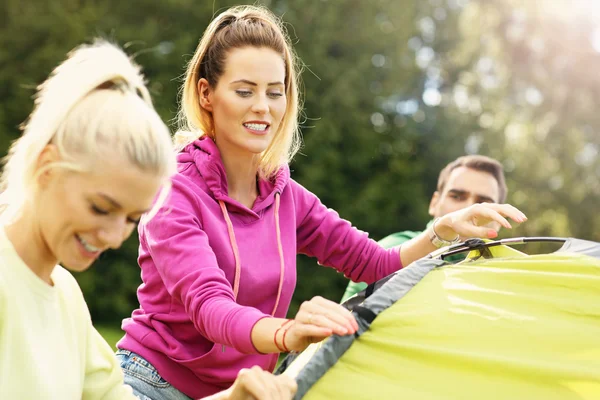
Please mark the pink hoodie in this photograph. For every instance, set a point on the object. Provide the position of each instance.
(211, 268)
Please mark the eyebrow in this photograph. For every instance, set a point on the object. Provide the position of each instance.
(112, 201)
(116, 204)
(464, 192)
(254, 83)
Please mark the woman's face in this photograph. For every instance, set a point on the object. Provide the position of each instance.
(81, 214)
(248, 102)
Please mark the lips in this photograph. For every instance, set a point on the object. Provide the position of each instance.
(257, 127)
(88, 247)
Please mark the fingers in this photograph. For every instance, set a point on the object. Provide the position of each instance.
(508, 211)
(467, 230)
(484, 215)
(327, 314)
(251, 384)
(493, 225)
(475, 221)
(311, 332)
(286, 385)
(245, 386)
(256, 384)
(316, 320)
(335, 312)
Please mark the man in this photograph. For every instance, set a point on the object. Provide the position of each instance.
(465, 181)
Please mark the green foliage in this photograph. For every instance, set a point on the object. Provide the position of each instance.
(530, 99)
(394, 90)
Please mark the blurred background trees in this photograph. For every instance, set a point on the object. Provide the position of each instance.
(394, 90)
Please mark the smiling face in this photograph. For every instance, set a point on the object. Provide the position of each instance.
(248, 102)
(81, 214)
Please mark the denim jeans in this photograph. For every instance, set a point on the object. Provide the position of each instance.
(147, 384)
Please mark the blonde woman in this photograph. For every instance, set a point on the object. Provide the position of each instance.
(219, 266)
(92, 160)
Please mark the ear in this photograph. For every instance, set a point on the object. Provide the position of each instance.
(48, 156)
(433, 203)
(205, 94)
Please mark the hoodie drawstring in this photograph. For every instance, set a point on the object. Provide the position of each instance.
(236, 254)
(280, 249)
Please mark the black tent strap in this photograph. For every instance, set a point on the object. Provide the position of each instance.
(482, 246)
(369, 290)
(365, 313)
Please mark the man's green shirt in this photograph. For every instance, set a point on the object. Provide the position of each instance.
(393, 240)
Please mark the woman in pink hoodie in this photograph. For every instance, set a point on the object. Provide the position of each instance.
(93, 157)
(219, 260)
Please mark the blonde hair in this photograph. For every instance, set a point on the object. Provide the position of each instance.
(239, 27)
(94, 104)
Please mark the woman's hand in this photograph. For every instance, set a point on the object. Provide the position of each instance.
(256, 384)
(316, 320)
(475, 221)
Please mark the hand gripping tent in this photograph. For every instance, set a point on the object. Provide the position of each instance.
(499, 325)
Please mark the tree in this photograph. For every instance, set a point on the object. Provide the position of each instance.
(394, 90)
(525, 67)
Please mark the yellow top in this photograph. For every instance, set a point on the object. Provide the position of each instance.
(48, 347)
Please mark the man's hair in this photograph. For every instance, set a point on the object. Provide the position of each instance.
(478, 163)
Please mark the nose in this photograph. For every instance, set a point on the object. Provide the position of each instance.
(261, 105)
(471, 200)
(114, 234)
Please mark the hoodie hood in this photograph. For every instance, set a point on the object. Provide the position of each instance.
(205, 155)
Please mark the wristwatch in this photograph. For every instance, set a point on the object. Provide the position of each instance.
(438, 241)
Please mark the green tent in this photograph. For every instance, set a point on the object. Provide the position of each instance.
(499, 325)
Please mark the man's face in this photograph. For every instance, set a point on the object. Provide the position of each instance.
(465, 186)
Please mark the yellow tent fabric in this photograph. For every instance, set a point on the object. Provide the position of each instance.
(523, 327)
